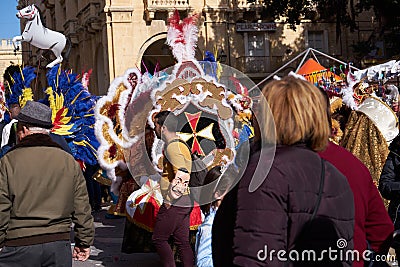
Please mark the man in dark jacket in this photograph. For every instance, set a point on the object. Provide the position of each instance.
(42, 191)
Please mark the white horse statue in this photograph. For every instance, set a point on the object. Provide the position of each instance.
(38, 35)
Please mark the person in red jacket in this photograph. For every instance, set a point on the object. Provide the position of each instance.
(372, 221)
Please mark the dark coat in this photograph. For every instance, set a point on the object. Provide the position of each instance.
(273, 216)
(389, 182)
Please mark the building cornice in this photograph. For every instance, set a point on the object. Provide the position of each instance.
(108, 9)
(89, 18)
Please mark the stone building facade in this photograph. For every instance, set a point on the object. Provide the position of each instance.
(110, 36)
(8, 56)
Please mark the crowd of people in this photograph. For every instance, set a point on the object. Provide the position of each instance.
(315, 193)
(275, 189)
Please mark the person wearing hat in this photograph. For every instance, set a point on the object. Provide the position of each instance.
(8, 138)
(42, 191)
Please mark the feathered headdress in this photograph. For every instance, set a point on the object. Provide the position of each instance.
(73, 113)
(182, 36)
(211, 66)
(20, 87)
(85, 78)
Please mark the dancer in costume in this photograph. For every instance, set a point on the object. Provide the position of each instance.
(203, 106)
(173, 216)
(19, 85)
(371, 126)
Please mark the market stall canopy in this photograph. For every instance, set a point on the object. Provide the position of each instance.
(302, 56)
(313, 71)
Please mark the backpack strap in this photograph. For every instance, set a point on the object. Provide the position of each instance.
(321, 188)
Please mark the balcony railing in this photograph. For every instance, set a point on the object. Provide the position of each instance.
(249, 3)
(248, 64)
(154, 5)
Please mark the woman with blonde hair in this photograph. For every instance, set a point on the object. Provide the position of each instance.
(302, 204)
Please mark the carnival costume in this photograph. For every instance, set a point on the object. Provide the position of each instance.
(214, 117)
(372, 124)
(71, 103)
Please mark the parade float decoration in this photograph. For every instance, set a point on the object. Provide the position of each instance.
(315, 73)
(213, 107)
(66, 94)
(110, 127)
(39, 36)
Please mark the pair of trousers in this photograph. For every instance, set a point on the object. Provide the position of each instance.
(52, 254)
(173, 221)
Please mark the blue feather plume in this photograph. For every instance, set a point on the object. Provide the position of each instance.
(20, 83)
(80, 105)
(209, 64)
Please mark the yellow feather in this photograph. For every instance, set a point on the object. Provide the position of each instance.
(85, 143)
(22, 74)
(26, 95)
(219, 70)
(76, 97)
(59, 101)
(64, 130)
(50, 93)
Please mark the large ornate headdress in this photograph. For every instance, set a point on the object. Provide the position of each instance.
(72, 112)
(19, 84)
(71, 103)
(17, 88)
(213, 113)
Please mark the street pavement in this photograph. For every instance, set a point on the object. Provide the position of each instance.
(106, 250)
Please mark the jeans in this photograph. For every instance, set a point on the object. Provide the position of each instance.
(52, 254)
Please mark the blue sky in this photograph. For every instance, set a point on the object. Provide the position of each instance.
(9, 23)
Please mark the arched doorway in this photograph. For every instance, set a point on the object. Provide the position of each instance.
(157, 54)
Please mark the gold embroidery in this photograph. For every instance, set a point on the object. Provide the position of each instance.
(366, 142)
